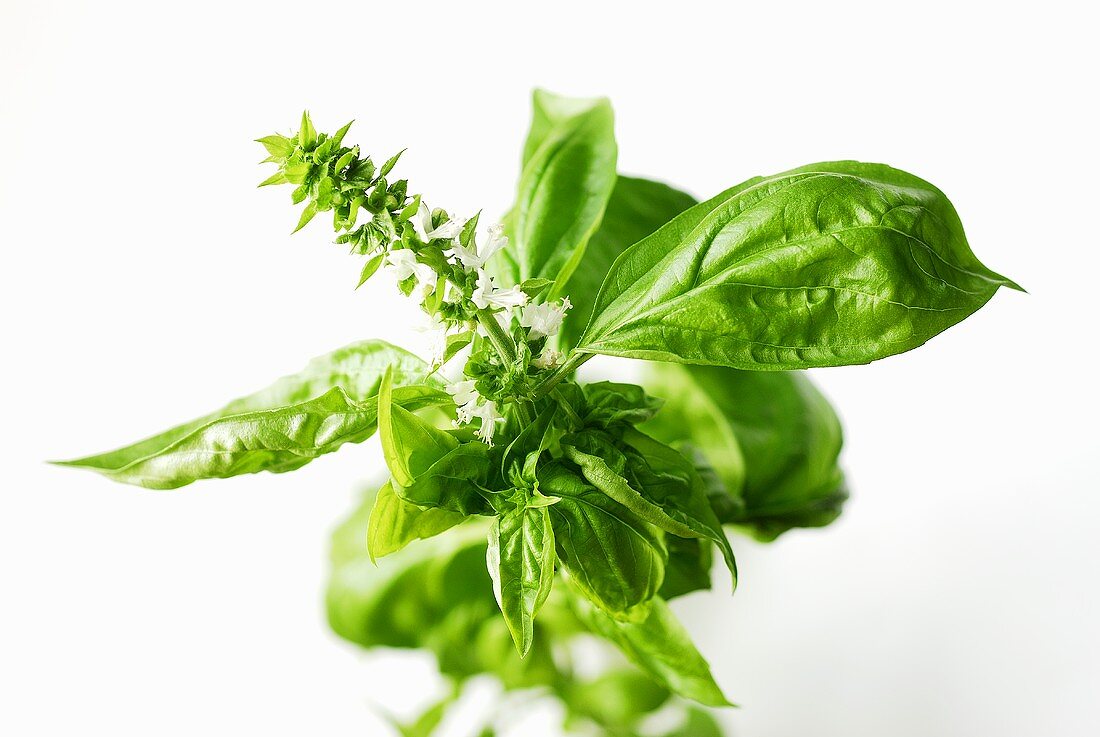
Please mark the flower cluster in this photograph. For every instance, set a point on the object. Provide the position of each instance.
(435, 257)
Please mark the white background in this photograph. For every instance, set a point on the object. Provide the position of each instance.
(146, 280)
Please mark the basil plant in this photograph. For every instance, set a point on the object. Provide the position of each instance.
(537, 509)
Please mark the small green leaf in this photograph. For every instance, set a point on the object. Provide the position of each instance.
(609, 404)
(665, 492)
(390, 163)
(369, 268)
(613, 557)
(278, 146)
(523, 453)
(454, 482)
(276, 178)
(307, 134)
(520, 558)
(338, 136)
(410, 445)
(297, 172)
(455, 343)
(567, 178)
(534, 287)
(394, 523)
(345, 159)
(307, 214)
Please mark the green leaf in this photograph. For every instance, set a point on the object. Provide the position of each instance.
(617, 699)
(282, 427)
(523, 453)
(548, 113)
(390, 163)
(455, 343)
(453, 482)
(534, 287)
(610, 403)
(403, 599)
(429, 720)
(338, 136)
(278, 146)
(437, 595)
(430, 467)
(297, 172)
(661, 647)
(307, 134)
(697, 723)
(613, 557)
(409, 444)
(781, 432)
(394, 523)
(666, 490)
(308, 213)
(688, 567)
(369, 268)
(637, 208)
(276, 178)
(831, 264)
(520, 559)
(566, 181)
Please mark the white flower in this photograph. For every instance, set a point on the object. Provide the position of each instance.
(473, 258)
(470, 407)
(544, 320)
(451, 293)
(549, 358)
(490, 418)
(464, 393)
(438, 328)
(423, 225)
(402, 264)
(486, 294)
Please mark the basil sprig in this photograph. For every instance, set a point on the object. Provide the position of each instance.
(570, 508)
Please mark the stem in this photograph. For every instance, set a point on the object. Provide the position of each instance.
(497, 335)
(572, 363)
(506, 349)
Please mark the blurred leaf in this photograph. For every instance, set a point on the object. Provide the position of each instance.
(660, 646)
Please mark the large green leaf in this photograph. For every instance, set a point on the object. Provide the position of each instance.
(661, 647)
(771, 436)
(637, 208)
(520, 559)
(831, 264)
(568, 174)
(281, 428)
(616, 559)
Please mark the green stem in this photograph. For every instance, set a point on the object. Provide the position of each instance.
(506, 349)
(500, 339)
(563, 372)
